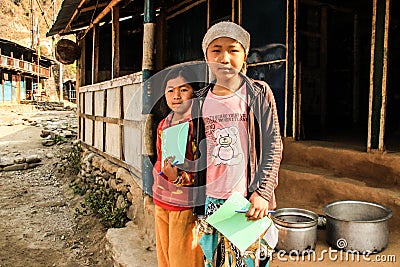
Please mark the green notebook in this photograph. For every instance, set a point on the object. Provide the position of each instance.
(234, 225)
(173, 143)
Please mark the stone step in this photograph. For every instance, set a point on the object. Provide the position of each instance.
(312, 188)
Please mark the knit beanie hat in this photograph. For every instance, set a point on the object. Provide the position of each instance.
(226, 29)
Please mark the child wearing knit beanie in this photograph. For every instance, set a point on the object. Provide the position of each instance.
(244, 146)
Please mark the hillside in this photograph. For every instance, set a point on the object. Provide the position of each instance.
(16, 26)
(16, 21)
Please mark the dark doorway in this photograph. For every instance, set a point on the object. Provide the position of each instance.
(184, 35)
(392, 139)
(334, 40)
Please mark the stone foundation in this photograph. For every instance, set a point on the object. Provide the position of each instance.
(140, 206)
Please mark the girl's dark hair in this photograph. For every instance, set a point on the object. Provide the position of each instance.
(182, 71)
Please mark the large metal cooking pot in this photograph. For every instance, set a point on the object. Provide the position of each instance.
(357, 226)
(297, 229)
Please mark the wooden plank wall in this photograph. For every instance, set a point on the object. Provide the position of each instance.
(111, 121)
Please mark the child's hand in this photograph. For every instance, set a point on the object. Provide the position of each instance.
(170, 170)
(258, 208)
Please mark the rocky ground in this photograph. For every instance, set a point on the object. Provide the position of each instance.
(38, 225)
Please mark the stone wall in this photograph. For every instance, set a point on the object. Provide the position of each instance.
(140, 206)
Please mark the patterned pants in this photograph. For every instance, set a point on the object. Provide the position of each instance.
(219, 252)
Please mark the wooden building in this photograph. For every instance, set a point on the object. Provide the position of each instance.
(22, 74)
(331, 64)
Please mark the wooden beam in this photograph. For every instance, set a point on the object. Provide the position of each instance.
(323, 64)
(95, 55)
(121, 126)
(239, 12)
(285, 133)
(183, 10)
(101, 15)
(93, 124)
(116, 121)
(115, 53)
(381, 145)
(208, 13)
(161, 36)
(233, 11)
(104, 122)
(74, 15)
(89, 8)
(179, 6)
(371, 76)
(377, 101)
(80, 77)
(295, 81)
(113, 159)
(356, 69)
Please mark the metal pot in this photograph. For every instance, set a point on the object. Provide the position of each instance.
(357, 226)
(297, 229)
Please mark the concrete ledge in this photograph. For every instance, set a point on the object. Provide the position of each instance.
(311, 189)
(376, 169)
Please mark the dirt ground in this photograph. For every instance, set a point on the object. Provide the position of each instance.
(37, 219)
(38, 226)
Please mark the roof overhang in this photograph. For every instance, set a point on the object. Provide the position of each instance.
(78, 15)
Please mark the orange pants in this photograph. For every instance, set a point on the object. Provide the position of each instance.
(176, 239)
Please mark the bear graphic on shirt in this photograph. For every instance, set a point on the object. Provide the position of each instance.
(226, 150)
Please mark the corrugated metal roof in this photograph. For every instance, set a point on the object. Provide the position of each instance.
(87, 11)
(64, 15)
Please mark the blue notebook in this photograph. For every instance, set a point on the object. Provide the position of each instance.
(173, 143)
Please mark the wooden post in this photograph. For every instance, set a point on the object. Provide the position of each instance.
(208, 13)
(239, 12)
(93, 102)
(80, 74)
(147, 68)
(80, 81)
(161, 37)
(381, 145)
(115, 43)
(323, 63)
(288, 129)
(356, 69)
(95, 54)
(292, 62)
(371, 77)
(32, 25)
(104, 123)
(121, 126)
(378, 78)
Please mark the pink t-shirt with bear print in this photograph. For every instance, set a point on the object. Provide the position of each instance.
(225, 120)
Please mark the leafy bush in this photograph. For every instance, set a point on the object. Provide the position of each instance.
(102, 203)
(74, 159)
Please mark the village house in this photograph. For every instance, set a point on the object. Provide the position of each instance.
(22, 73)
(332, 66)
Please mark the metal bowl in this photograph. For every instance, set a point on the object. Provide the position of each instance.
(357, 225)
(297, 229)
